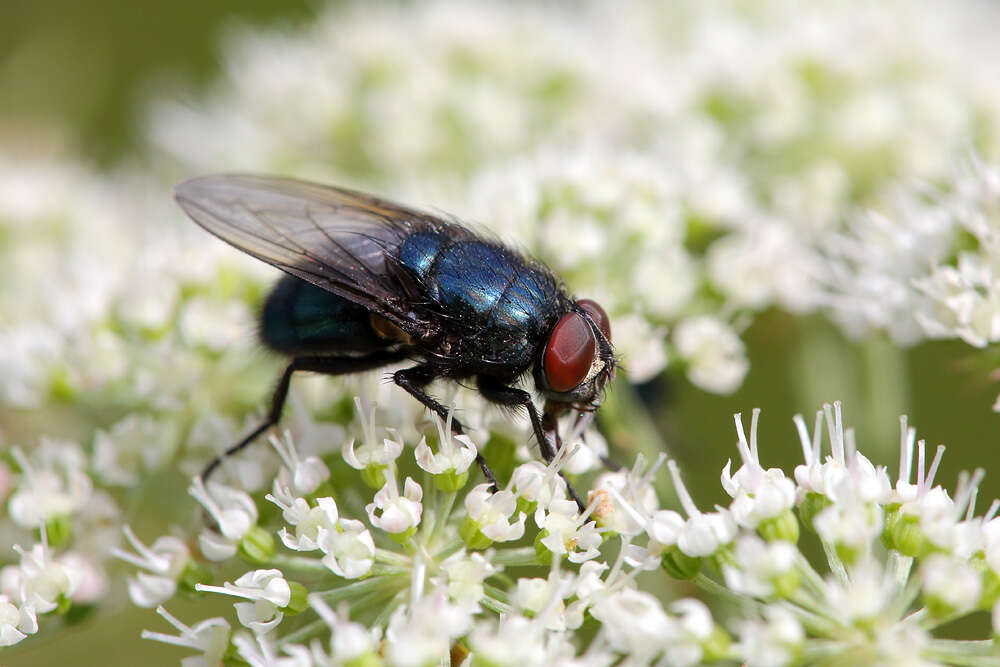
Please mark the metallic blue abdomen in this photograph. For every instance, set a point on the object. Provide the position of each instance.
(300, 317)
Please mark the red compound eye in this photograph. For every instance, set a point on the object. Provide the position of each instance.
(569, 353)
(598, 315)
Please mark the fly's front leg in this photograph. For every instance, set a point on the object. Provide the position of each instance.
(413, 380)
(512, 397)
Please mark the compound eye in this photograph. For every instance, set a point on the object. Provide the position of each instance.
(598, 315)
(569, 353)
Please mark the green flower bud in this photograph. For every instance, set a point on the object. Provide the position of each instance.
(58, 531)
(472, 536)
(679, 565)
(257, 546)
(374, 475)
(403, 537)
(541, 551)
(368, 659)
(786, 583)
(451, 481)
(782, 527)
(716, 647)
(904, 535)
(811, 505)
(297, 603)
(193, 573)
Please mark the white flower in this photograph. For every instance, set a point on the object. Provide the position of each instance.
(422, 633)
(135, 444)
(214, 324)
(209, 637)
(536, 482)
(715, 355)
(864, 596)
(626, 498)
(56, 488)
(757, 565)
(845, 475)
(465, 574)
(543, 599)
(349, 549)
(849, 523)
(15, 624)
(703, 532)
(664, 529)
(635, 624)
(165, 561)
(492, 512)
(259, 651)
(234, 513)
(306, 473)
(397, 513)
(40, 581)
(371, 453)
(513, 642)
(349, 641)
(268, 593)
(773, 641)
(766, 261)
(90, 581)
(952, 582)
(311, 523)
(758, 494)
(567, 532)
(455, 452)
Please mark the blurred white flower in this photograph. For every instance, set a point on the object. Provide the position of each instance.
(233, 511)
(267, 591)
(164, 561)
(715, 355)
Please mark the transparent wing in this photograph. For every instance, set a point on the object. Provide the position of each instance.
(343, 241)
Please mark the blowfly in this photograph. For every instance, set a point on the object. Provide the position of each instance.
(371, 283)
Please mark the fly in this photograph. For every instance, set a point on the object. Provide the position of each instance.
(372, 283)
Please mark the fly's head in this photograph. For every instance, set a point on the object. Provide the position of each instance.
(577, 361)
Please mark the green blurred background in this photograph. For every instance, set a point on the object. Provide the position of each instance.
(73, 81)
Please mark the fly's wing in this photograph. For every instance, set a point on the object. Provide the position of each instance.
(337, 239)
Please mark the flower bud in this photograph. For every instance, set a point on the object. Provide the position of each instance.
(257, 546)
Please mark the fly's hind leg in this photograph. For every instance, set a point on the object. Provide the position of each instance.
(413, 380)
(324, 365)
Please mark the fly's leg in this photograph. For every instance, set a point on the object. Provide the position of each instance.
(413, 380)
(512, 397)
(324, 365)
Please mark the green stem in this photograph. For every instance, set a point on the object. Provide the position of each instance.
(358, 588)
(393, 558)
(300, 563)
(496, 593)
(441, 519)
(515, 557)
(496, 605)
(958, 652)
(309, 631)
(383, 616)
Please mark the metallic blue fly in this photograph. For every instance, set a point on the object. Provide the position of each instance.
(371, 283)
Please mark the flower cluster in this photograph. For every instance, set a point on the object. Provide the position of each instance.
(437, 571)
(61, 528)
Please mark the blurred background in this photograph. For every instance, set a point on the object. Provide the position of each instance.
(115, 89)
